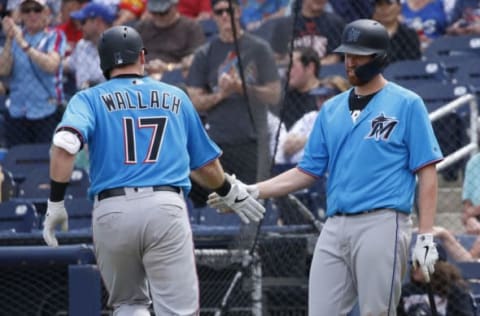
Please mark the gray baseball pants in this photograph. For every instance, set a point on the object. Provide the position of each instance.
(360, 257)
(143, 244)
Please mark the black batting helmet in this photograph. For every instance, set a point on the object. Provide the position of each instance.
(366, 37)
(118, 46)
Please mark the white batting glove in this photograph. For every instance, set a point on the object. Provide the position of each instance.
(425, 255)
(240, 200)
(215, 201)
(56, 215)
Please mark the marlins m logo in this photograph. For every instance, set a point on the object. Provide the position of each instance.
(382, 127)
(352, 35)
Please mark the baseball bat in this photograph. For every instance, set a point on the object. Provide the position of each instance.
(306, 212)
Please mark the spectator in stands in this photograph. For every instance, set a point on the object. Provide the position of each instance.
(465, 18)
(130, 11)
(352, 10)
(72, 30)
(471, 196)
(256, 12)
(454, 248)
(195, 9)
(450, 290)
(404, 42)
(31, 59)
(169, 38)
(427, 17)
(315, 27)
(304, 77)
(84, 61)
(297, 135)
(237, 124)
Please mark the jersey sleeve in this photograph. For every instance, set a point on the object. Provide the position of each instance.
(201, 148)
(315, 157)
(79, 116)
(420, 138)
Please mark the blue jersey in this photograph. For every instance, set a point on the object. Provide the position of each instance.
(371, 163)
(140, 132)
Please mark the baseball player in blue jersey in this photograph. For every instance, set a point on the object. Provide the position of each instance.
(373, 140)
(144, 138)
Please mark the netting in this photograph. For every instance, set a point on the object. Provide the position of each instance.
(247, 270)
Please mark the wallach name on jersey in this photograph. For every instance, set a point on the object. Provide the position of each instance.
(123, 100)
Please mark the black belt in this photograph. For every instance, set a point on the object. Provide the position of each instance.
(108, 193)
(361, 212)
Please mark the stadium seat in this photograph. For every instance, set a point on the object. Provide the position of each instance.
(22, 158)
(17, 216)
(79, 213)
(466, 45)
(471, 272)
(337, 69)
(417, 70)
(209, 28)
(36, 186)
(436, 94)
(210, 216)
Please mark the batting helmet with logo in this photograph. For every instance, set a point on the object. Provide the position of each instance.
(366, 37)
(118, 46)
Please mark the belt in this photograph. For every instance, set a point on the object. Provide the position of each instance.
(109, 193)
(361, 212)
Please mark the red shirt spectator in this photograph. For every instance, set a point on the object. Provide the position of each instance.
(196, 9)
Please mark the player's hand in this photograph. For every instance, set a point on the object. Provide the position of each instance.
(56, 215)
(215, 201)
(425, 255)
(240, 200)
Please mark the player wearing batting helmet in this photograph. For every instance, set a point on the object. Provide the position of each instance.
(144, 138)
(373, 140)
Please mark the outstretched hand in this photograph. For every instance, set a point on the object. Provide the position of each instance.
(240, 199)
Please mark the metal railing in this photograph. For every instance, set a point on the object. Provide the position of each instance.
(470, 148)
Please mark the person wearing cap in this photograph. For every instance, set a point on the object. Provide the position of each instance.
(314, 27)
(450, 291)
(72, 30)
(404, 42)
(84, 61)
(376, 143)
(170, 38)
(31, 59)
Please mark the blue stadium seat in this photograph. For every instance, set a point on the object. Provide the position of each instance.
(36, 186)
(466, 45)
(210, 216)
(436, 94)
(471, 272)
(22, 158)
(17, 216)
(417, 70)
(337, 69)
(79, 213)
(209, 28)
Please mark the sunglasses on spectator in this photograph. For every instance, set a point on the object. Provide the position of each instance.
(220, 12)
(36, 9)
(162, 13)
